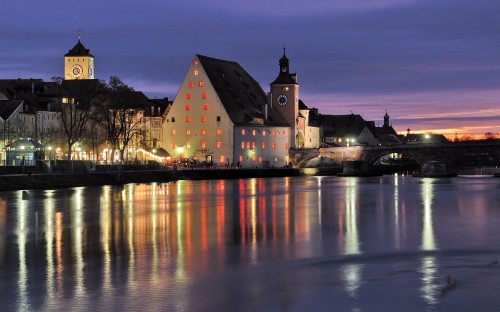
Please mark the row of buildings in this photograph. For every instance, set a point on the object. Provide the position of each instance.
(220, 115)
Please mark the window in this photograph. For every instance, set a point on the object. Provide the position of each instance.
(218, 144)
(264, 132)
(286, 145)
(172, 132)
(203, 131)
(253, 144)
(188, 96)
(218, 131)
(218, 118)
(188, 118)
(203, 119)
(188, 144)
(263, 145)
(248, 144)
(242, 144)
(188, 107)
(200, 84)
(203, 95)
(203, 144)
(241, 158)
(195, 72)
(221, 159)
(173, 119)
(260, 159)
(274, 145)
(254, 132)
(173, 145)
(205, 106)
(274, 132)
(191, 84)
(242, 131)
(188, 131)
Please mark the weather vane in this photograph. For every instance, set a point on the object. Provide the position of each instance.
(78, 31)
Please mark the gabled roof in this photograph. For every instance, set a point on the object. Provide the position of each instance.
(241, 95)
(7, 108)
(79, 50)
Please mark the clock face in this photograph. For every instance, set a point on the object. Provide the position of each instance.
(282, 99)
(76, 71)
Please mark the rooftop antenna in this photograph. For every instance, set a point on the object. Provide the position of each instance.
(78, 31)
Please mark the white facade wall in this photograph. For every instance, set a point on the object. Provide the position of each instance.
(261, 146)
(197, 124)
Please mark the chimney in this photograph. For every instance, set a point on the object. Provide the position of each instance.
(265, 111)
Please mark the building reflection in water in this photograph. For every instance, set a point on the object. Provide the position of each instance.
(348, 225)
(22, 233)
(428, 266)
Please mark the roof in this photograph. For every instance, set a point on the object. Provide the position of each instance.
(7, 108)
(342, 125)
(79, 50)
(241, 95)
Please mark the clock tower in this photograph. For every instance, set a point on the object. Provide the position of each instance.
(285, 96)
(78, 63)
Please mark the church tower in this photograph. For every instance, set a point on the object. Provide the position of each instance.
(284, 97)
(78, 63)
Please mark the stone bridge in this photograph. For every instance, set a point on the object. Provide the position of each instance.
(454, 154)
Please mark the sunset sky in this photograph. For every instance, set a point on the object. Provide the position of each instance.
(433, 65)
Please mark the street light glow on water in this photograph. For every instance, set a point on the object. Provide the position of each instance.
(387, 243)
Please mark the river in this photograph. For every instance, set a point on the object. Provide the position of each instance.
(391, 243)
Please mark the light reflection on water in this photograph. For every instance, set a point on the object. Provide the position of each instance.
(256, 244)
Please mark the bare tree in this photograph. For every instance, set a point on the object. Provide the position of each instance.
(120, 114)
(76, 103)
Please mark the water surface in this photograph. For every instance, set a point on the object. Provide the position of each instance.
(387, 243)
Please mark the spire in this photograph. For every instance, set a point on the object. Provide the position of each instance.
(284, 63)
(386, 119)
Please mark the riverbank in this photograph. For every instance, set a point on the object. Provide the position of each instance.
(61, 180)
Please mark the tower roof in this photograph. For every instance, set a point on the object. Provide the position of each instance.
(285, 77)
(79, 50)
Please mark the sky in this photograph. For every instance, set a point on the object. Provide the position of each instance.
(433, 65)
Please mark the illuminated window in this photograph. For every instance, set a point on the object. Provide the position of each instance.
(221, 159)
(203, 144)
(191, 84)
(263, 145)
(203, 119)
(241, 158)
(218, 144)
(200, 84)
(188, 118)
(203, 95)
(248, 144)
(254, 158)
(274, 145)
(195, 72)
(242, 144)
(195, 62)
(173, 145)
(218, 131)
(260, 159)
(242, 131)
(188, 107)
(264, 133)
(203, 131)
(188, 96)
(286, 145)
(172, 132)
(188, 131)
(274, 132)
(254, 132)
(253, 144)
(188, 144)
(205, 106)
